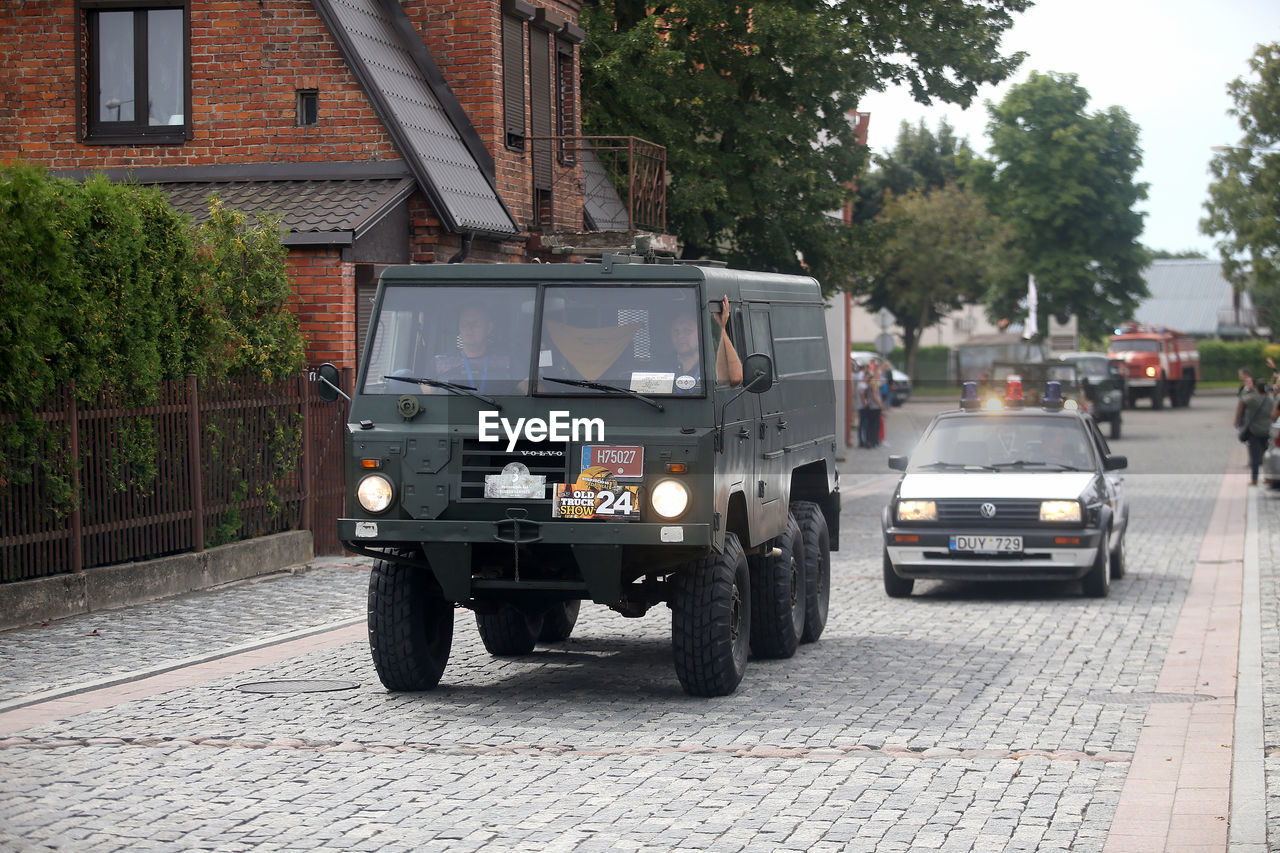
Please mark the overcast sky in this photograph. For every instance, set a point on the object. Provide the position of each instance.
(1166, 62)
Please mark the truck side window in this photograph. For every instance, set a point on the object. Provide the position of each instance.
(761, 334)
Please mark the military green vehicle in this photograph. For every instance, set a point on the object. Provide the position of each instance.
(526, 437)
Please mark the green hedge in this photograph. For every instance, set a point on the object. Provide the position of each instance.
(1220, 360)
(105, 285)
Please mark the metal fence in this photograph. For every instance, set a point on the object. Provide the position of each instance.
(204, 465)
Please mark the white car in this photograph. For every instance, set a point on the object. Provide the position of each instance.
(1001, 492)
(899, 382)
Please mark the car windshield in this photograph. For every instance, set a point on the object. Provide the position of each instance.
(1136, 345)
(1094, 368)
(475, 338)
(634, 339)
(995, 443)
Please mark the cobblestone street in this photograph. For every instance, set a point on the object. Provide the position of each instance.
(966, 717)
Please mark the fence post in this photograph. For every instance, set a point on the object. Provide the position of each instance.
(193, 463)
(77, 514)
(308, 457)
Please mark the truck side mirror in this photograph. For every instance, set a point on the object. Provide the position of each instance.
(757, 373)
(328, 383)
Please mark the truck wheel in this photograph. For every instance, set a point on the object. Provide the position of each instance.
(509, 631)
(1157, 395)
(1115, 427)
(711, 621)
(894, 586)
(817, 567)
(1097, 583)
(558, 621)
(778, 596)
(410, 626)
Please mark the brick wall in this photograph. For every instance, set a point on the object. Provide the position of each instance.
(248, 60)
(324, 301)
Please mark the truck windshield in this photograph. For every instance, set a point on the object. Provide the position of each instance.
(476, 336)
(1136, 345)
(642, 339)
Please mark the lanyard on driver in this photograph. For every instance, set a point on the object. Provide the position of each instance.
(471, 379)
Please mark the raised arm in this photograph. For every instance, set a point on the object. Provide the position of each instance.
(728, 365)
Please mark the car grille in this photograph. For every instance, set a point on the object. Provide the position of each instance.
(480, 458)
(1009, 513)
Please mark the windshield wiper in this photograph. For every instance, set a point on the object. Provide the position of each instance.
(452, 387)
(600, 386)
(1027, 463)
(955, 465)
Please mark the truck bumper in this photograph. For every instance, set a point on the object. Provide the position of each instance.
(596, 547)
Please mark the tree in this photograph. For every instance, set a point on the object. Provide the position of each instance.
(920, 159)
(1244, 197)
(942, 249)
(1063, 179)
(751, 101)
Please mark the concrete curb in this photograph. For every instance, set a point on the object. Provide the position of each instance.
(1248, 823)
(107, 587)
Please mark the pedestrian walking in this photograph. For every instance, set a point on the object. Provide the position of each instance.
(874, 405)
(1254, 423)
(860, 395)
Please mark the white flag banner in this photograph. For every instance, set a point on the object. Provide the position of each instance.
(1032, 326)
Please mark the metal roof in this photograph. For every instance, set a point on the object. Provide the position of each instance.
(315, 211)
(1193, 297)
(421, 114)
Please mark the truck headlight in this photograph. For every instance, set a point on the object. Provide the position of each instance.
(1059, 510)
(375, 493)
(917, 511)
(1151, 371)
(669, 499)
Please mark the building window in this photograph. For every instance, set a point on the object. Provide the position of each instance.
(308, 108)
(137, 72)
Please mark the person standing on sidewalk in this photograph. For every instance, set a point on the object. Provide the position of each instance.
(1255, 424)
(874, 404)
(860, 395)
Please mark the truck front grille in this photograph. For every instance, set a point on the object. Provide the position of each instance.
(480, 458)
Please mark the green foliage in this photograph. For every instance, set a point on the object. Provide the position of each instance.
(1184, 255)
(1244, 196)
(942, 248)
(1063, 179)
(1219, 360)
(932, 364)
(751, 103)
(920, 160)
(105, 286)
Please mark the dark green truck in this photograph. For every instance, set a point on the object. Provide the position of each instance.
(525, 437)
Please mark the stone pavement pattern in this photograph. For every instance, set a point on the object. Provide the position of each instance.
(967, 717)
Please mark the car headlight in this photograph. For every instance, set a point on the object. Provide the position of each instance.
(669, 499)
(1059, 510)
(917, 511)
(375, 493)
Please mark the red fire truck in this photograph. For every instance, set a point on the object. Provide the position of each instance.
(1158, 363)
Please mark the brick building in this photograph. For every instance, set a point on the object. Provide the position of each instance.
(382, 131)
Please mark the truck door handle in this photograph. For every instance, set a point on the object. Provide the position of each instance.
(782, 424)
(744, 433)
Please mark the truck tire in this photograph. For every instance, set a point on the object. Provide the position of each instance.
(1097, 583)
(778, 596)
(509, 631)
(558, 621)
(410, 626)
(894, 586)
(711, 621)
(1157, 395)
(817, 564)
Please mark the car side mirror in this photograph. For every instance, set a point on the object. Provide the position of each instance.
(328, 387)
(1115, 461)
(898, 462)
(757, 373)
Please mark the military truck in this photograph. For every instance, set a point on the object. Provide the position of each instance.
(526, 437)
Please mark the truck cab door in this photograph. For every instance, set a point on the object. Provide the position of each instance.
(770, 484)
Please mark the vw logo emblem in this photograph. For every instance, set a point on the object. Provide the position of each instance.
(988, 510)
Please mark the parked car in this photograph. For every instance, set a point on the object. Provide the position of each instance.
(1104, 383)
(899, 382)
(1271, 458)
(1004, 490)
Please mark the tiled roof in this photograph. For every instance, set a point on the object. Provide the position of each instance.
(1191, 296)
(342, 208)
(421, 114)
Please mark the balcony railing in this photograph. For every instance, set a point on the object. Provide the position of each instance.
(624, 179)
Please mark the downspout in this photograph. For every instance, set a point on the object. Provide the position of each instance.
(464, 251)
